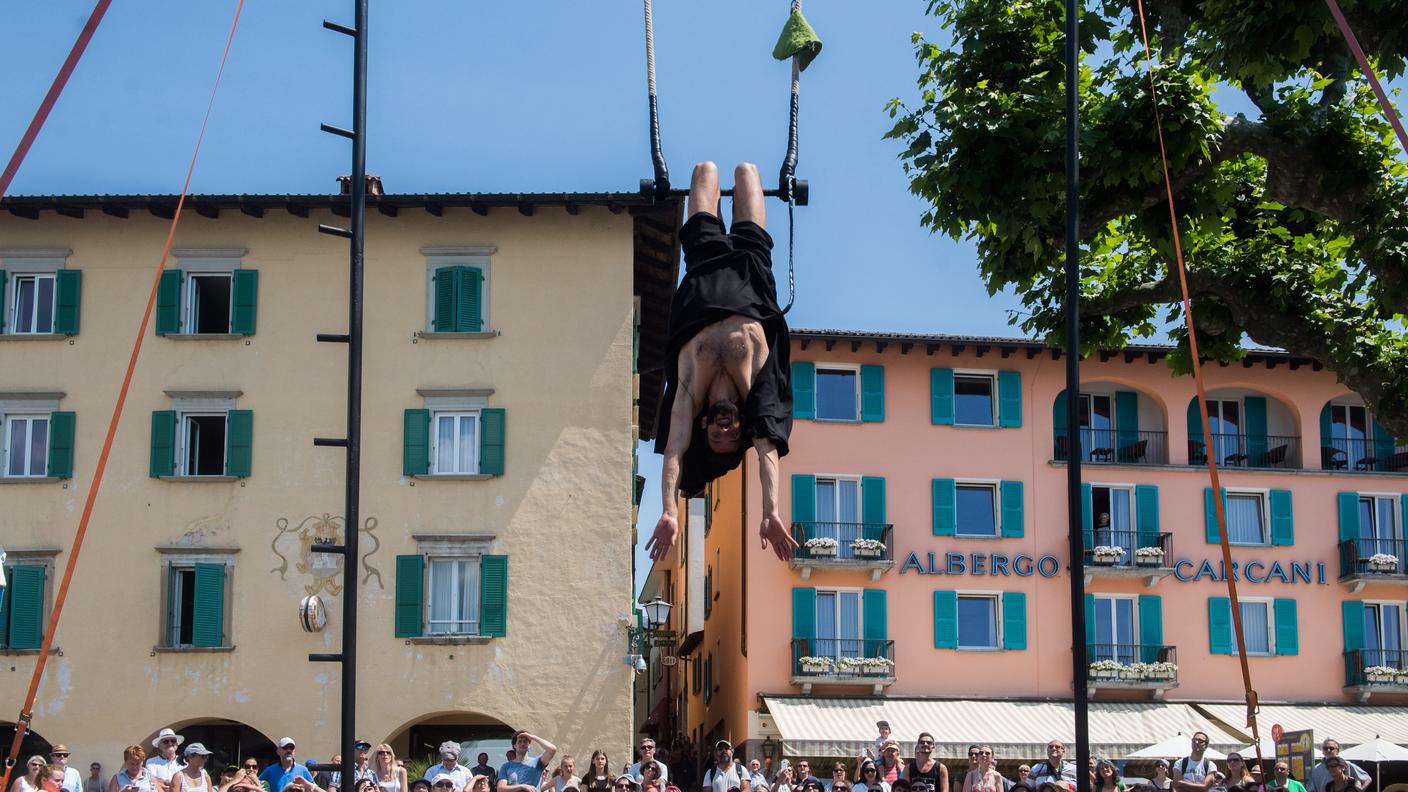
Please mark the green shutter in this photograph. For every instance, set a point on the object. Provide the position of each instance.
(1283, 530)
(4, 281)
(941, 396)
(1014, 620)
(492, 425)
(469, 285)
(803, 614)
(410, 587)
(875, 630)
(1087, 514)
(1013, 520)
(1126, 418)
(163, 462)
(1089, 619)
(60, 445)
(239, 443)
(1353, 625)
(25, 609)
(804, 390)
(945, 507)
(444, 320)
(1327, 426)
(415, 442)
(803, 498)
(872, 393)
(245, 285)
(1009, 398)
(207, 627)
(1061, 448)
(493, 595)
(1210, 532)
(1220, 625)
(5, 607)
(1349, 515)
(1287, 631)
(945, 619)
(1384, 443)
(1151, 627)
(1146, 509)
(68, 291)
(1197, 445)
(168, 303)
(872, 500)
(1254, 411)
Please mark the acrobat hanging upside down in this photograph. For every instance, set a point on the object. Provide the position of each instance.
(727, 371)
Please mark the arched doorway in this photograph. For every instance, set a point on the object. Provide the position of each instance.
(418, 742)
(32, 745)
(228, 740)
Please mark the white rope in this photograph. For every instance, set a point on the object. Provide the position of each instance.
(650, 50)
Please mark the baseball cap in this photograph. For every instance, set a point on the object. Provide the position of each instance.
(722, 744)
(882, 724)
(900, 783)
(420, 783)
(286, 742)
(449, 748)
(626, 777)
(362, 745)
(197, 749)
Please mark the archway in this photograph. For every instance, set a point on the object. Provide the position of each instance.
(32, 745)
(228, 740)
(418, 741)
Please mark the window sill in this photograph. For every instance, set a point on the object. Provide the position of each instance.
(448, 640)
(205, 336)
(191, 649)
(29, 479)
(979, 426)
(433, 335)
(5, 651)
(453, 477)
(34, 336)
(207, 479)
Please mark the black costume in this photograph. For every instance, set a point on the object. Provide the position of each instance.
(727, 274)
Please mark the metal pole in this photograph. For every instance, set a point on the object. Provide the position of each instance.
(1074, 511)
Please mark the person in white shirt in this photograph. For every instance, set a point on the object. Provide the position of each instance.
(58, 757)
(726, 774)
(165, 764)
(1053, 767)
(450, 766)
(647, 754)
(756, 777)
(1194, 772)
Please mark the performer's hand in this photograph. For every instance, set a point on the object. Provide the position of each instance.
(773, 530)
(660, 542)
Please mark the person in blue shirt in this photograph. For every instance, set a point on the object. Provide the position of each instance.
(287, 772)
(524, 774)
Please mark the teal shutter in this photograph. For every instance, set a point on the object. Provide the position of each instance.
(208, 615)
(945, 619)
(872, 393)
(872, 500)
(492, 424)
(1254, 410)
(1197, 447)
(25, 609)
(803, 623)
(1220, 625)
(1089, 619)
(941, 396)
(804, 390)
(410, 588)
(1151, 627)
(493, 595)
(1087, 514)
(945, 507)
(1061, 448)
(1013, 520)
(239, 443)
(163, 462)
(245, 286)
(469, 294)
(803, 499)
(876, 633)
(1349, 515)
(168, 303)
(60, 445)
(1126, 418)
(1384, 443)
(445, 281)
(1009, 398)
(1283, 531)
(1014, 620)
(1211, 534)
(68, 291)
(1327, 426)
(1287, 631)
(5, 603)
(4, 281)
(1353, 625)
(1146, 509)
(415, 443)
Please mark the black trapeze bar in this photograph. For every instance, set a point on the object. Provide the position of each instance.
(801, 192)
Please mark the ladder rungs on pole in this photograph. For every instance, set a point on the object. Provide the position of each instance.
(325, 658)
(333, 442)
(328, 548)
(334, 338)
(337, 130)
(324, 228)
(339, 28)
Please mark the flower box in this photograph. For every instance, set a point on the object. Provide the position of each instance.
(815, 665)
(867, 548)
(1383, 562)
(1149, 556)
(1107, 669)
(1381, 674)
(821, 547)
(1107, 555)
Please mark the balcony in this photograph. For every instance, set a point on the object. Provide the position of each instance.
(1365, 561)
(1364, 456)
(1128, 554)
(1376, 671)
(1111, 446)
(1248, 451)
(843, 661)
(1131, 667)
(855, 546)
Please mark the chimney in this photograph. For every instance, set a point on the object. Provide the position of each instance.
(344, 184)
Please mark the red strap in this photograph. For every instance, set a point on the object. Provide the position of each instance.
(1368, 70)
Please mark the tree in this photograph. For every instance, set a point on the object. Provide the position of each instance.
(1294, 221)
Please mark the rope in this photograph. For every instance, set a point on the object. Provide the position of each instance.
(657, 155)
(55, 88)
(787, 179)
(27, 713)
(1251, 696)
(1368, 70)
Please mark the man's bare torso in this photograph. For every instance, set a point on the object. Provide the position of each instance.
(722, 360)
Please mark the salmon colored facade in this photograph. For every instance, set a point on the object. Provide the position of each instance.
(895, 462)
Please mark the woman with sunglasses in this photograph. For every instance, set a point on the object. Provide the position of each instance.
(390, 776)
(1237, 772)
(1340, 779)
(192, 776)
(784, 779)
(983, 777)
(597, 777)
(28, 781)
(868, 778)
(1107, 777)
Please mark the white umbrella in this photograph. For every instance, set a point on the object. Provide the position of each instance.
(1174, 747)
(1375, 750)
(1268, 750)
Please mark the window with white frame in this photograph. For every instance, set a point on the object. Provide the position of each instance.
(837, 393)
(1246, 518)
(1112, 518)
(33, 305)
(202, 444)
(26, 445)
(452, 595)
(1379, 531)
(978, 621)
(1258, 628)
(209, 301)
(838, 511)
(1116, 630)
(974, 400)
(455, 442)
(976, 509)
(1384, 629)
(457, 293)
(838, 623)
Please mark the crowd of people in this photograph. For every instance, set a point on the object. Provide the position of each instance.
(179, 767)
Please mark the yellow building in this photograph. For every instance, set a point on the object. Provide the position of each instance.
(498, 441)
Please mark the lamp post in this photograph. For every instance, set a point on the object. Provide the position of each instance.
(649, 635)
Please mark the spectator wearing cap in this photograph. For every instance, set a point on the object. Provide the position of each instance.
(647, 754)
(525, 773)
(450, 766)
(873, 750)
(164, 764)
(360, 767)
(868, 778)
(485, 770)
(1054, 767)
(192, 777)
(94, 781)
(286, 772)
(443, 781)
(890, 765)
(924, 767)
(725, 774)
(1281, 778)
(625, 783)
(58, 757)
(1320, 774)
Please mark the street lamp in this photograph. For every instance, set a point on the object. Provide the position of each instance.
(769, 748)
(657, 613)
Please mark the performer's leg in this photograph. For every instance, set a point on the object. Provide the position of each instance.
(748, 202)
(704, 190)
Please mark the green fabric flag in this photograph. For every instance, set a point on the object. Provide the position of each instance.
(797, 39)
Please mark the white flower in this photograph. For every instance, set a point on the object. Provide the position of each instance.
(821, 541)
(868, 544)
(824, 662)
(1380, 670)
(1108, 551)
(1149, 552)
(1383, 559)
(1108, 665)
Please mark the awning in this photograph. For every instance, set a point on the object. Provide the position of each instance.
(1347, 724)
(843, 727)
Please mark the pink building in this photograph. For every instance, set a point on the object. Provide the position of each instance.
(927, 483)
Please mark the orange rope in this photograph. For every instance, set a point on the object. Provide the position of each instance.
(1203, 405)
(27, 713)
(1373, 78)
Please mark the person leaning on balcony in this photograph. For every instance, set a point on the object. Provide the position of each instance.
(924, 767)
(983, 777)
(1281, 778)
(1195, 772)
(1320, 774)
(1053, 767)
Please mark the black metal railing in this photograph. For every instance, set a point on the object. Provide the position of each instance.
(1247, 451)
(1112, 446)
(1356, 555)
(846, 534)
(1363, 455)
(1131, 542)
(1358, 661)
(1128, 655)
(843, 657)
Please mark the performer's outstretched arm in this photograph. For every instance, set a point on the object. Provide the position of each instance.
(772, 530)
(682, 419)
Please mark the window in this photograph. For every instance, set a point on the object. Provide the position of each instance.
(202, 445)
(200, 440)
(1112, 510)
(977, 515)
(195, 604)
(1379, 531)
(23, 603)
(453, 607)
(452, 588)
(208, 302)
(1116, 634)
(1246, 518)
(1256, 628)
(837, 513)
(26, 445)
(838, 624)
(455, 447)
(837, 394)
(973, 400)
(1383, 635)
(455, 435)
(39, 297)
(209, 298)
(457, 289)
(1225, 418)
(977, 622)
(32, 311)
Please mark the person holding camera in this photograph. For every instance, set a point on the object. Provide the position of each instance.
(133, 777)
